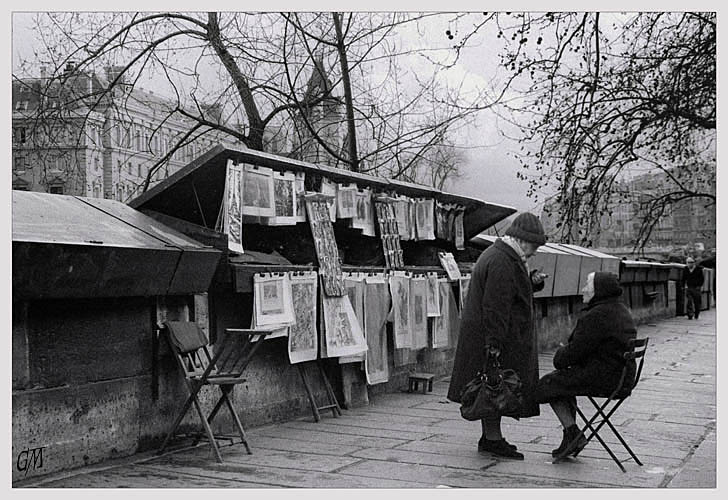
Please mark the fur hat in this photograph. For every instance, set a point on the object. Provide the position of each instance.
(528, 228)
(606, 285)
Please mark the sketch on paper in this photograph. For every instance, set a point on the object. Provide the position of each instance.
(364, 218)
(354, 284)
(325, 245)
(329, 188)
(399, 288)
(402, 213)
(346, 201)
(464, 285)
(300, 188)
(377, 304)
(448, 263)
(303, 335)
(433, 296)
(425, 219)
(284, 192)
(272, 300)
(258, 197)
(459, 229)
(388, 232)
(418, 319)
(233, 214)
(342, 334)
(441, 325)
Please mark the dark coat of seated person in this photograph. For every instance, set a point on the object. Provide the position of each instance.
(592, 362)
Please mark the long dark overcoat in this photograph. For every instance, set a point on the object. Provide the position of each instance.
(591, 363)
(498, 309)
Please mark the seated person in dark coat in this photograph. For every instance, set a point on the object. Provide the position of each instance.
(591, 363)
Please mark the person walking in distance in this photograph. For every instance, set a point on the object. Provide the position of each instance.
(497, 317)
(693, 278)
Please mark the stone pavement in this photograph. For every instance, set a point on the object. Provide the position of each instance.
(419, 440)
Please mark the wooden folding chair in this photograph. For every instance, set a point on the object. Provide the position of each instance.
(199, 368)
(637, 348)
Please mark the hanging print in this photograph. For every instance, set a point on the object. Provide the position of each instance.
(284, 191)
(441, 325)
(364, 218)
(272, 300)
(300, 187)
(425, 219)
(329, 188)
(399, 287)
(418, 309)
(325, 244)
(303, 335)
(346, 201)
(341, 331)
(459, 229)
(258, 197)
(464, 285)
(233, 215)
(377, 304)
(448, 263)
(388, 232)
(354, 284)
(433, 295)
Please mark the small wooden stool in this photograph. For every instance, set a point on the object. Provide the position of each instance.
(417, 377)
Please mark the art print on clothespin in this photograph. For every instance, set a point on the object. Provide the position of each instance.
(329, 188)
(460, 229)
(425, 221)
(354, 284)
(399, 287)
(464, 285)
(440, 220)
(433, 295)
(284, 191)
(447, 260)
(258, 197)
(272, 300)
(303, 334)
(346, 201)
(441, 325)
(342, 333)
(364, 218)
(233, 210)
(377, 304)
(418, 310)
(324, 240)
(300, 186)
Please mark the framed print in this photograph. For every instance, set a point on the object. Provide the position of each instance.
(272, 300)
(447, 260)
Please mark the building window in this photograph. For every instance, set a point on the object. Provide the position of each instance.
(20, 135)
(19, 163)
(57, 189)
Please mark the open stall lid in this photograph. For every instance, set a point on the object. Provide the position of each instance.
(195, 192)
(69, 246)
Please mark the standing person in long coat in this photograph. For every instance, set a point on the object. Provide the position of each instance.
(498, 314)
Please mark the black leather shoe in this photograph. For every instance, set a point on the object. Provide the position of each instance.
(482, 440)
(500, 448)
(572, 443)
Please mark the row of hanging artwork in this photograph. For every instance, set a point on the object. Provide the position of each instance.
(353, 327)
(261, 195)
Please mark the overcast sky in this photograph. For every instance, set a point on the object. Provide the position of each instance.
(489, 172)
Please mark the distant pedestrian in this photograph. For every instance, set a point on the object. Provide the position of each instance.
(592, 361)
(498, 315)
(693, 277)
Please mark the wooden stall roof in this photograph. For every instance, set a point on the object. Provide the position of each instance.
(195, 192)
(70, 246)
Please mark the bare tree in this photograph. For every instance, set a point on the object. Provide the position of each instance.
(261, 65)
(597, 96)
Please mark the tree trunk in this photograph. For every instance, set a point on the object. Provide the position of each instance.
(348, 102)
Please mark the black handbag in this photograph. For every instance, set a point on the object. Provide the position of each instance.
(493, 392)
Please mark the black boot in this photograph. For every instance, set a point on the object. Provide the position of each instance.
(500, 448)
(572, 443)
(481, 444)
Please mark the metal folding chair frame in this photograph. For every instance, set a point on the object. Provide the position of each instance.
(637, 348)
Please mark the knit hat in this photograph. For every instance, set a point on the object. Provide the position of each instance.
(528, 228)
(606, 285)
